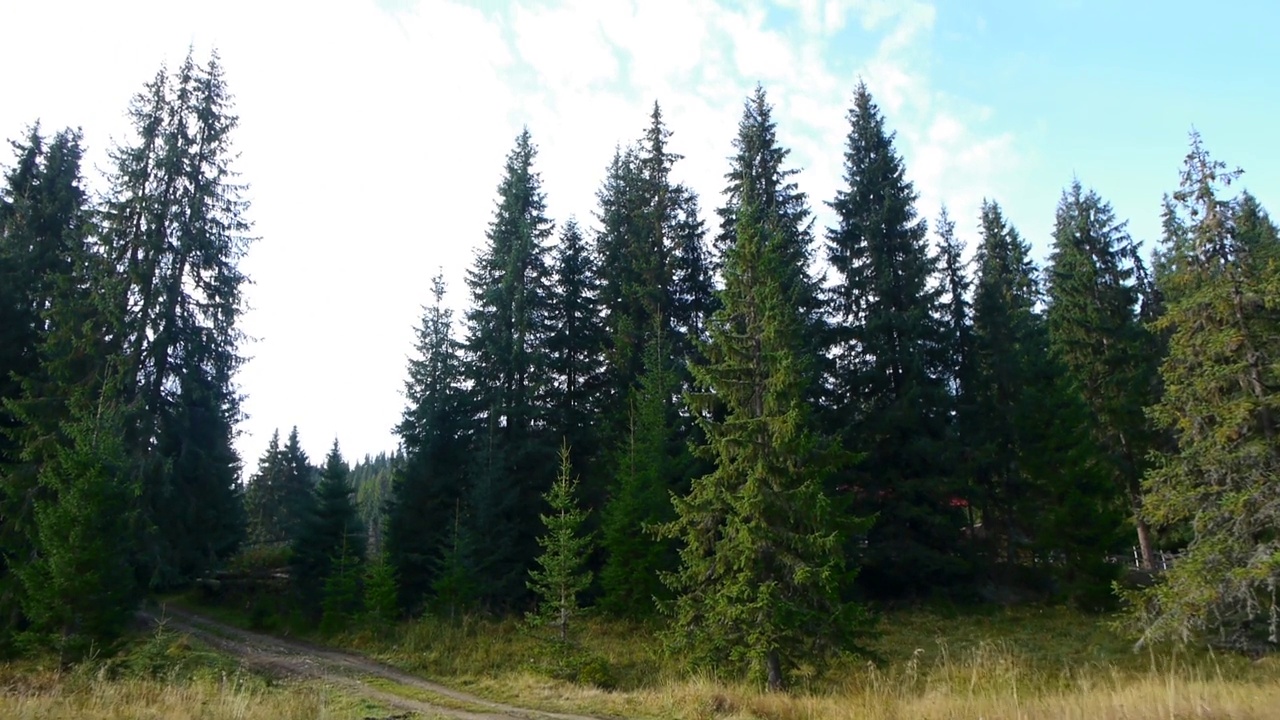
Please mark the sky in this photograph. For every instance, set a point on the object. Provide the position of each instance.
(372, 133)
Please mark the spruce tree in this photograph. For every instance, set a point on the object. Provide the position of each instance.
(561, 576)
(761, 557)
(507, 365)
(1009, 345)
(79, 590)
(758, 178)
(455, 585)
(54, 335)
(264, 496)
(435, 435)
(655, 270)
(887, 378)
(342, 596)
(576, 344)
(1095, 330)
(332, 532)
(956, 310)
(1221, 286)
(297, 495)
(648, 469)
(372, 479)
(175, 229)
(955, 316)
(381, 597)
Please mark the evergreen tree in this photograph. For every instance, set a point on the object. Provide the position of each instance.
(342, 592)
(655, 268)
(1221, 286)
(44, 223)
(381, 597)
(758, 178)
(455, 583)
(507, 365)
(297, 494)
(79, 591)
(53, 337)
(560, 576)
(956, 310)
(372, 479)
(691, 297)
(264, 495)
(331, 533)
(761, 560)
(174, 228)
(955, 316)
(576, 344)
(1096, 332)
(1009, 344)
(888, 383)
(640, 496)
(435, 436)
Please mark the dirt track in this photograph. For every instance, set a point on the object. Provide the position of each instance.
(344, 669)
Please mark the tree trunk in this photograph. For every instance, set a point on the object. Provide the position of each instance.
(773, 671)
(1144, 537)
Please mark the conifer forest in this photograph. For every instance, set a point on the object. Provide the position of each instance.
(745, 432)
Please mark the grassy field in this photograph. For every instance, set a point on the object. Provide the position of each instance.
(1026, 662)
(166, 676)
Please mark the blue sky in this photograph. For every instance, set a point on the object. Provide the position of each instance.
(373, 131)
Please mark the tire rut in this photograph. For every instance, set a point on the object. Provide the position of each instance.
(291, 657)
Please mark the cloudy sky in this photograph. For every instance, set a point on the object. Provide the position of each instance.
(373, 132)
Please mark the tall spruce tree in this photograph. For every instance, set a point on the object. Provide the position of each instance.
(507, 365)
(1013, 384)
(174, 227)
(956, 309)
(655, 268)
(761, 560)
(435, 435)
(887, 383)
(758, 178)
(1096, 332)
(576, 345)
(956, 320)
(1221, 284)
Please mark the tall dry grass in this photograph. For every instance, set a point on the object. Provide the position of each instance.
(104, 698)
(1019, 664)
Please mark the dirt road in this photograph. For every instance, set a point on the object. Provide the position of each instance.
(347, 670)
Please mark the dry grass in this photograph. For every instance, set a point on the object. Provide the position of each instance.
(166, 676)
(988, 682)
(1025, 663)
(206, 699)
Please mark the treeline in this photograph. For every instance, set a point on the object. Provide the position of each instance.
(764, 444)
(772, 423)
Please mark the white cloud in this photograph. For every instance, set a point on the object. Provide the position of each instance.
(373, 138)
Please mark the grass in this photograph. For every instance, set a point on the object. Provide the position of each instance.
(1028, 662)
(166, 676)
